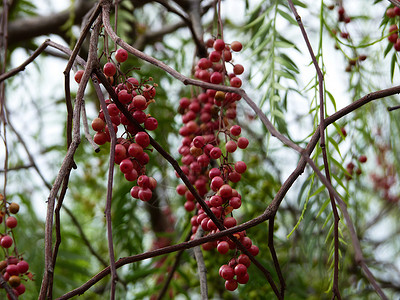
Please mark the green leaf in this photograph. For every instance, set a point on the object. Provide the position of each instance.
(287, 17)
(393, 65)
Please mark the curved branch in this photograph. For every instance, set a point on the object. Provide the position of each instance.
(28, 28)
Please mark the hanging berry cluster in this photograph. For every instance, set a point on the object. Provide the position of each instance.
(132, 145)
(13, 268)
(393, 38)
(210, 136)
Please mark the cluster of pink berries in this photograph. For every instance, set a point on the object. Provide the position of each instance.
(393, 37)
(209, 138)
(130, 150)
(13, 268)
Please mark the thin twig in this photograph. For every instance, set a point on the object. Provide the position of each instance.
(35, 54)
(393, 108)
(67, 70)
(57, 243)
(274, 256)
(201, 267)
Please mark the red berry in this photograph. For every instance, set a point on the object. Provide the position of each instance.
(231, 146)
(344, 35)
(11, 222)
(393, 38)
(199, 141)
(132, 175)
(139, 102)
(100, 138)
(219, 45)
(203, 160)
(135, 150)
(397, 45)
(225, 191)
(216, 78)
(208, 246)
(227, 273)
(240, 270)
(229, 222)
(120, 152)
(135, 192)
(227, 55)
(254, 250)
(238, 69)
(121, 55)
(132, 83)
(235, 202)
(243, 279)
(6, 276)
(139, 116)
(216, 183)
(236, 46)
(397, 10)
(236, 82)
(189, 206)
(112, 109)
(393, 28)
(391, 12)
(143, 181)
(181, 189)
(223, 247)
(109, 69)
(149, 92)
(20, 289)
(78, 76)
(204, 63)
(23, 267)
(98, 124)
(216, 201)
(142, 138)
(184, 103)
(6, 241)
(126, 166)
(235, 130)
(246, 241)
(240, 167)
(151, 123)
(214, 172)
(361, 159)
(231, 285)
(145, 194)
(215, 153)
(152, 183)
(12, 270)
(124, 97)
(234, 176)
(211, 225)
(204, 224)
(242, 142)
(214, 56)
(244, 259)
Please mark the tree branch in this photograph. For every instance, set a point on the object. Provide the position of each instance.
(28, 28)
